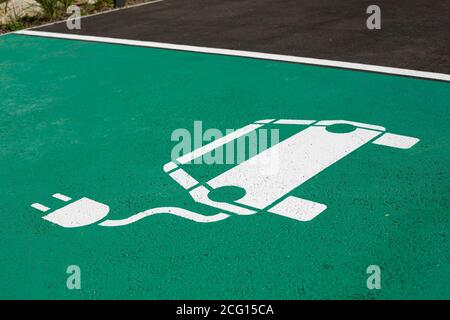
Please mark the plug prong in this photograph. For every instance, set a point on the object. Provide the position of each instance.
(61, 197)
(40, 207)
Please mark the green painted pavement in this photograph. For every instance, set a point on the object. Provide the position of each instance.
(95, 120)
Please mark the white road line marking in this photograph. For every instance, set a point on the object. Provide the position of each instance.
(299, 122)
(61, 197)
(298, 209)
(183, 179)
(40, 207)
(265, 121)
(169, 166)
(352, 123)
(396, 141)
(245, 54)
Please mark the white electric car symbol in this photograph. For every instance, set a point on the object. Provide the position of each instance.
(300, 157)
(297, 159)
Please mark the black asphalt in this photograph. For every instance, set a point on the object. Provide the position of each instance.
(414, 34)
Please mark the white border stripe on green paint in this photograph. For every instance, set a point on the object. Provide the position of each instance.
(246, 54)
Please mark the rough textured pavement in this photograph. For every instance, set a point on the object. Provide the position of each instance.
(101, 128)
(96, 120)
(414, 34)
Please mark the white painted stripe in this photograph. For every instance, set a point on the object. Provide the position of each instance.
(61, 197)
(183, 179)
(183, 213)
(40, 207)
(246, 54)
(217, 143)
(298, 209)
(265, 121)
(169, 166)
(396, 141)
(301, 122)
(353, 123)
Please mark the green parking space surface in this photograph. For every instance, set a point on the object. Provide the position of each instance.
(95, 120)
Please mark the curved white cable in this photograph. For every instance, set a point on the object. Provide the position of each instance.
(183, 213)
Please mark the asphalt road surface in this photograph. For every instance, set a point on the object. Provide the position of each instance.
(414, 34)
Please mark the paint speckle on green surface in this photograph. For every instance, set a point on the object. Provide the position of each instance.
(95, 120)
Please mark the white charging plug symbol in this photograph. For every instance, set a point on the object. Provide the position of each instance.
(79, 213)
(85, 211)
